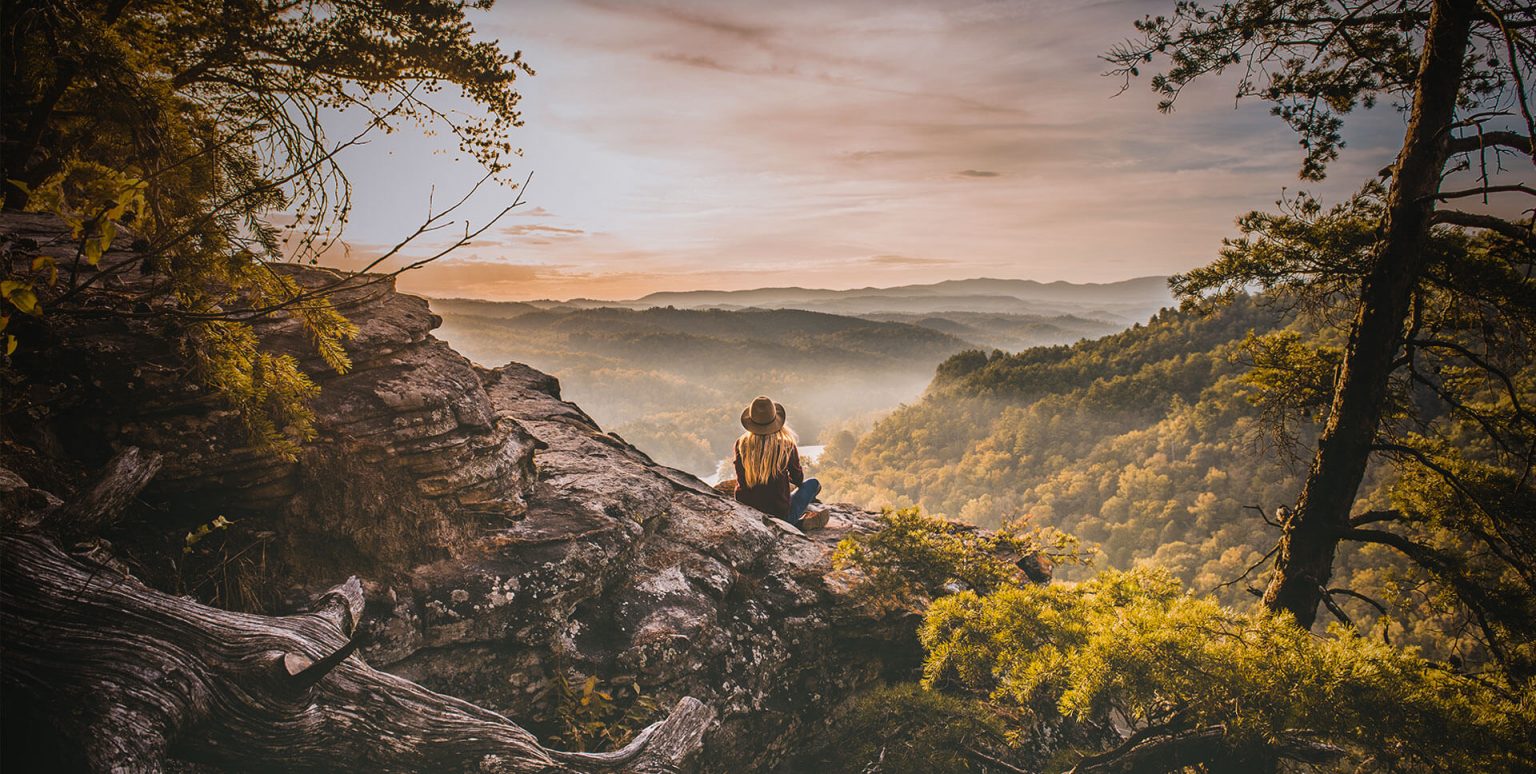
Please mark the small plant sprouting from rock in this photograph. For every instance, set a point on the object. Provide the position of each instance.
(203, 530)
(602, 716)
(226, 567)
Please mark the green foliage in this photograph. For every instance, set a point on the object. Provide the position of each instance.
(196, 130)
(269, 392)
(912, 556)
(1170, 664)
(1438, 304)
(1152, 443)
(960, 365)
(94, 200)
(903, 728)
(595, 716)
(1303, 250)
(1290, 381)
(1453, 504)
(1152, 449)
(1455, 427)
(1151, 362)
(1134, 648)
(118, 200)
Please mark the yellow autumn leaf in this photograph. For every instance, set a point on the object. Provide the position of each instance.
(24, 299)
(43, 261)
(94, 247)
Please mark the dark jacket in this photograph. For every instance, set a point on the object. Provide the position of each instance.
(771, 496)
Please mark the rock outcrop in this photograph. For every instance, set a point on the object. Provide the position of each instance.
(411, 462)
(637, 572)
(507, 545)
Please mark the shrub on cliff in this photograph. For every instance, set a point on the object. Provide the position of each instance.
(200, 127)
(914, 557)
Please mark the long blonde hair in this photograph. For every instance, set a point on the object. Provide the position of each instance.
(765, 456)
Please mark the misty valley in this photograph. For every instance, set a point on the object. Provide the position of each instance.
(671, 371)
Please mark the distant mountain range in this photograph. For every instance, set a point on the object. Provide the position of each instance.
(1121, 302)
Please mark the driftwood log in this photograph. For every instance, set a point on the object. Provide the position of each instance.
(133, 678)
(129, 471)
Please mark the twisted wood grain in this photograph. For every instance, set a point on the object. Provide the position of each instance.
(135, 676)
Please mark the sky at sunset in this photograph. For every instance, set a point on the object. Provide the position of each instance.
(724, 145)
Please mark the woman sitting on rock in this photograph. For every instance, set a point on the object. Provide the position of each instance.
(768, 462)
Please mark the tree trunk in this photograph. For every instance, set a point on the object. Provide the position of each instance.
(129, 678)
(1305, 561)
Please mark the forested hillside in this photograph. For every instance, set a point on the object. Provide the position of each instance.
(1009, 332)
(1143, 443)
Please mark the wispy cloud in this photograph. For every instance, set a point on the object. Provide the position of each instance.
(696, 19)
(700, 143)
(530, 212)
(535, 229)
(711, 63)
(907, 260)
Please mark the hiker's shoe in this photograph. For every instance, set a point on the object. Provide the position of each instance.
(814, 520)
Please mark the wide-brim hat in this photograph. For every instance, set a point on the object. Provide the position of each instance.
(763, 417)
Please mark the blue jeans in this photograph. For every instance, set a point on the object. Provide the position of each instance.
(801, 500)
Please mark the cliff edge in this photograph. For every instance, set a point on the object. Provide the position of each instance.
(509, 550)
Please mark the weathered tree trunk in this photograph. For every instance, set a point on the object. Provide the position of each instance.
(108, 495)
(130, 677)
(1305, 561)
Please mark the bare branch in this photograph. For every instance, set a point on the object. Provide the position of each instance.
(1333, 607)
(1485, 190)
(1265, 516)
(1512, 140)
(1272, 551)
(1418, 552)
(1380, 608)
(1373, 517)
(992, 761)
(1515, 231)
(1170, 752)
